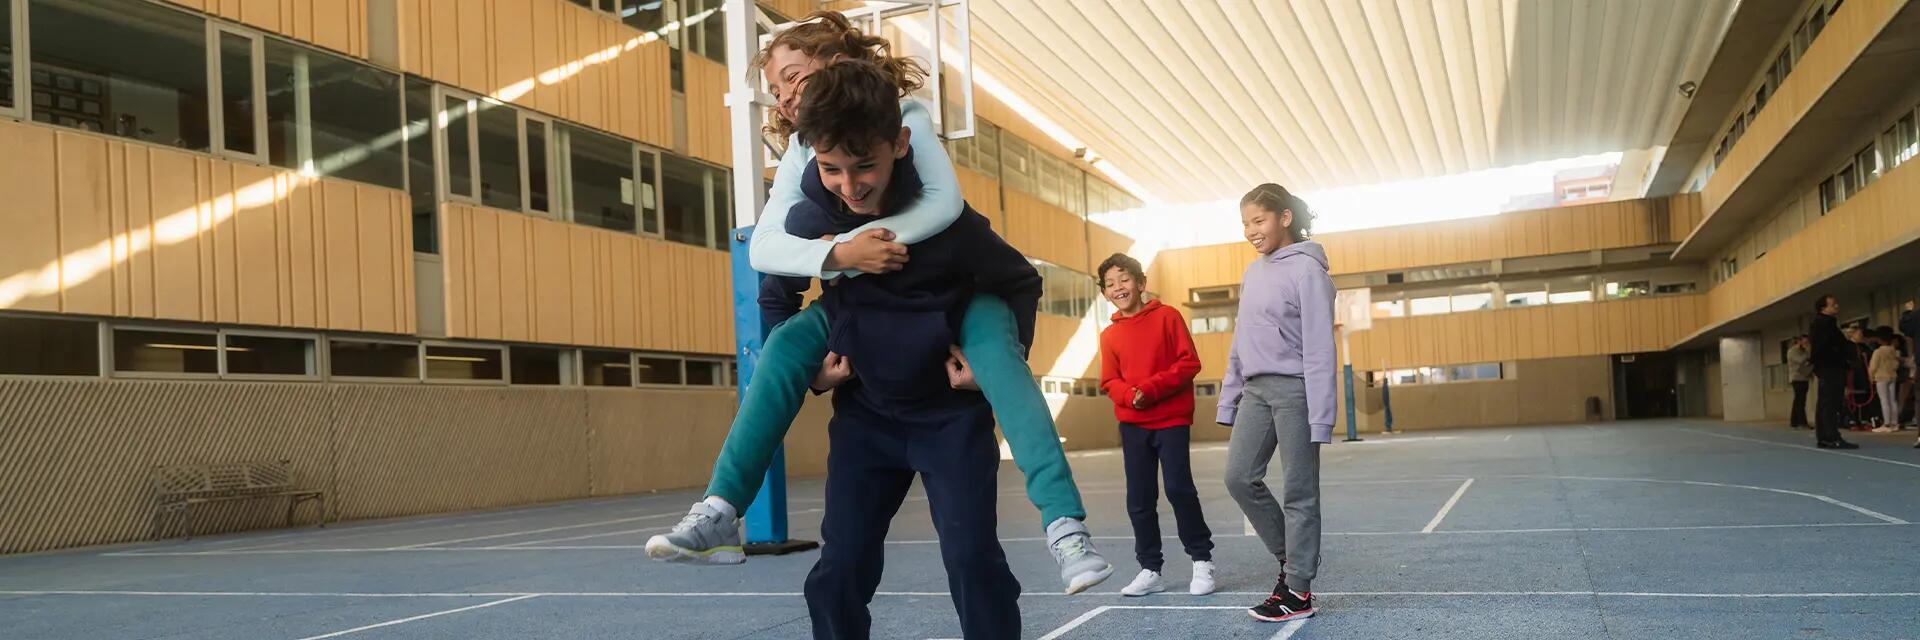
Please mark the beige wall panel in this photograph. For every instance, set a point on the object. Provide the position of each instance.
(512, 46)
(413, 30)
(256, 231)
(457, 265)
(139, 217)
(176, 261)
(483, 225)
(707, 125)
(515, 301)
(443, 40)
(218, 226)
(584, 281)
(552, 283)
(474, 46)
(83, 223)
(344, 271)
(339, 25)
(545, 42)
(306, 262)
(590, 86)
(656, 94)
(118, 233)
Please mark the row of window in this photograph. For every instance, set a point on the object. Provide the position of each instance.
(140, 70)
(69, 347)
(1437, 375)
(1066, 292)
(1776, 74)
(1020, 165)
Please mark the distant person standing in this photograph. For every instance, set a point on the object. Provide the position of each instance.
(1910, 330)
(1884, 368)
(1799, 370)
(1833, 356)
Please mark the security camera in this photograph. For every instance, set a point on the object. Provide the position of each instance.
(1687, 88)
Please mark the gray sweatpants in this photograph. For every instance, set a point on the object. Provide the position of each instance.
(1273, 414)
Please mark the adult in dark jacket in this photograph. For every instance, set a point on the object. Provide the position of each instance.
(1833, 356)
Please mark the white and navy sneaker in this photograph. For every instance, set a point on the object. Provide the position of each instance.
(1285, 604)
(705, 536)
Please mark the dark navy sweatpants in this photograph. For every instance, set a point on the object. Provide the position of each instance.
(869, 468)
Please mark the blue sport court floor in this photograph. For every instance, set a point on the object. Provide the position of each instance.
(1662, 529)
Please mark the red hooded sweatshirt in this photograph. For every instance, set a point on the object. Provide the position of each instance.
(1150, 351)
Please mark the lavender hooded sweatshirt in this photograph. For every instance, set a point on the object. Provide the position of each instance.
(1285, 327)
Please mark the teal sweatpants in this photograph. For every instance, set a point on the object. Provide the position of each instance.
(988, 337)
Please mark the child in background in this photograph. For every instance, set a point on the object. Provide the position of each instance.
(1884, 368)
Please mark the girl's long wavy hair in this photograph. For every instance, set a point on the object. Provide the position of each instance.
(826, 34)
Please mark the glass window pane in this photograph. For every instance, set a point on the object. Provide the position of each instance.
(499, 156)
(537, 191)
(722, 208)
(602, 179)
(1389, 309)
(1472, 302)
(708, 18)
(373, 359)
(420, 177)
(606, 368)
(1430, 306)
(356, 118)
(536, 365)
(459, 155)
(1570, 296)
(7, 100)
(269, 355)
(685, 200)
(1487, 371)
(129, 68)
(1526, 298)
(703, 373)
(49, 347)
(645, 15)
(236, 92)
(649, 192)
(659, 370)
(165, 351)
(463, 363)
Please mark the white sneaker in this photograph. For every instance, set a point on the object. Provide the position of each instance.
(1202, 578)
(1147, 582)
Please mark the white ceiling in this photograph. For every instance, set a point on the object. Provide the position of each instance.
(1201, 100)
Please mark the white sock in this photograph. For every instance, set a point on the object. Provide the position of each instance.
(720, 504)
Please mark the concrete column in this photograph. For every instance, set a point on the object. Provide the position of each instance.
(1742, 379)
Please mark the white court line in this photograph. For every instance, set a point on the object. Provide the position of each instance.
(1287, 631)
(589, 536)
(1096, 611)
(1246, 526)
(1827, 499)
(934, 594)
(546, 530)
(435, 614)
(1442, 515)
(1801, 448)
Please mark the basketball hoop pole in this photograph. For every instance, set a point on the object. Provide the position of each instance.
(1346, 367)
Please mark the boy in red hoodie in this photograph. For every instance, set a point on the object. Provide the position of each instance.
(1147, 364)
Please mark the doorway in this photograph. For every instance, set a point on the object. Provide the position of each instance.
(1645, 385)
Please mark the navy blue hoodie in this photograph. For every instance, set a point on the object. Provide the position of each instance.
(896, 327)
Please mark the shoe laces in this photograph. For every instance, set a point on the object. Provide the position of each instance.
(1071, 547)
(691, 520)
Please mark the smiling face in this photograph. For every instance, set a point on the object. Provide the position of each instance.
(860, 180)
(786, 72)
(1123, 290)
(1265, 230)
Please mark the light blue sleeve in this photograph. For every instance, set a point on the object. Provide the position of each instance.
(776, 252)
(940, 202)
(773, 250)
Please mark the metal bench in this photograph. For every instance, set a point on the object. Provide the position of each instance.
(176, 488)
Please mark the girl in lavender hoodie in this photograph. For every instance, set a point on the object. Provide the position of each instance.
(1279, 391)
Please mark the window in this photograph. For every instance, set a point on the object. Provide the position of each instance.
(539, 178)
(32, 346)
(234, 65)
(660, 370)
(498, 142)
(1829, 196)
(249, 354)
(1868, 160)
(1472, 302)
(704, 29)
(986, 148)
(538, 365)
(706, 373)
(1016, 163)
(456, 129)
(333, 116)
(1207, 295)
(464, 363)
(606, 368)
(645, 15)
(163, 351)
(420, 177)
(1431, 306)
(8, 103)
(127, 68)
(1046, 177)
(1632, 289)
(1213, 320)
(690, 201)
(1065, 292)
(368, 359)
(1678, 287)
(1564, 297)
(600, 188)
(1206, 388)
(1526, 298)
(1389, 309)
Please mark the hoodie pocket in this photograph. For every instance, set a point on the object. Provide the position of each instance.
(1261, 337)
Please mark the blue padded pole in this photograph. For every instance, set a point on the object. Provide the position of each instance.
(767, 518)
